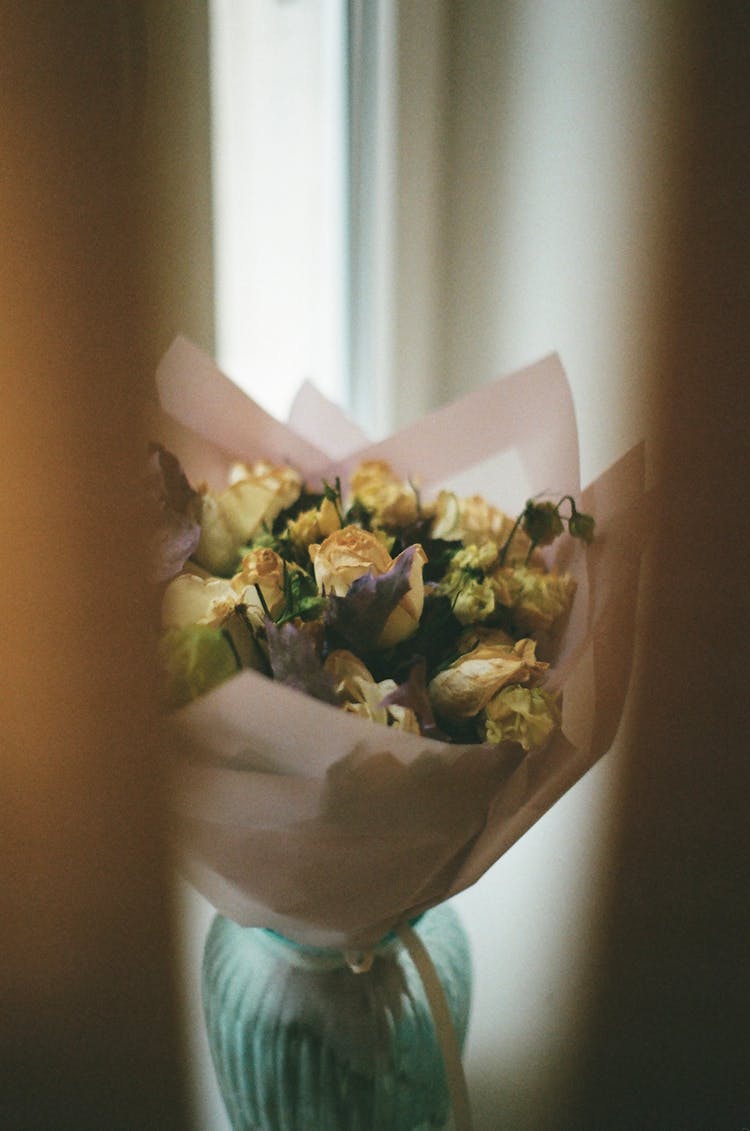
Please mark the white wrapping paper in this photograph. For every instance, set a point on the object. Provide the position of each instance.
(326, 827)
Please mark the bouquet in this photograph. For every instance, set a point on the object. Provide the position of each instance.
(303, 586)
(306, 598)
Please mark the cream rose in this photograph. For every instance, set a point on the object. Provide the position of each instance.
(467, 686)
(350, 553)
(392, 503)
(231, 517)
(262, 567)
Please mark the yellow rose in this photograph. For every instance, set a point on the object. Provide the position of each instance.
(359, 694)
(262, 567)
(538, 599)
(392, 503)
(467, 686)
(231, 517)
(349, 554)
(313, 525)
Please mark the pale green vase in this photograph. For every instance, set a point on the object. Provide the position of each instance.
(301, 1043)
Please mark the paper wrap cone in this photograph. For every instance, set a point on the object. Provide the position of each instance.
(331, 829)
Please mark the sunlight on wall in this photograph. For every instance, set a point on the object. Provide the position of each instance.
(278, 153)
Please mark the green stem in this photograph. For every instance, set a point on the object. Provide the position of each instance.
(228, 637)
(509, 539)
(262, 600)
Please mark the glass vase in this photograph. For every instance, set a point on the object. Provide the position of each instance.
(300, 1042)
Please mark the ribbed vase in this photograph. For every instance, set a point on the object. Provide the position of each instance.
(301, 1043)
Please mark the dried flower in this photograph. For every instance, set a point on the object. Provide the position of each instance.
(314, 525)
(526, 715)
(467, 686)
(390, 502)
(538, 599)
(474, 522)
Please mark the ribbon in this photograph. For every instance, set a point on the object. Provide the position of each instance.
(360, 962)
(446, 1033)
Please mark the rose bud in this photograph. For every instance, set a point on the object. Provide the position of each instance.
(263, 568)
(467, 686)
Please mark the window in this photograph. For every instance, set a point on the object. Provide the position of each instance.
(280, 197)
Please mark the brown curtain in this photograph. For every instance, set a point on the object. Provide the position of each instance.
(670, 1030)
(89, 112)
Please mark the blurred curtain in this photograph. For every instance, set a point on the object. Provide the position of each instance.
(669, 1039)
(103, 237)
